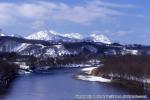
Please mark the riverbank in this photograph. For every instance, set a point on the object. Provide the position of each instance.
(87, 76)
(57, 84)
(128, 70)
(129, 83)
(8, 72)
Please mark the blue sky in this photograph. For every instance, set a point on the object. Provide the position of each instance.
(126, 21)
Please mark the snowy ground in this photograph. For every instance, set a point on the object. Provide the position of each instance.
(77, 65)
(88, 70)
(23, 68)
(23, 72)
(93, 78)
(89, 77)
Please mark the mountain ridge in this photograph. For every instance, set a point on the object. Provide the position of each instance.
(68, 37)
(54, 44)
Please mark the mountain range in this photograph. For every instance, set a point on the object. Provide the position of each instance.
(52, 44)
(70, 37)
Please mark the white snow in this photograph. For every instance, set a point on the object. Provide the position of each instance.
(51, 52)
(129, 51)
(133, 52)
(22, 47)
(68, 37)
(73, 35)
(94, 61)
(77, 65)
(42, 46)
(100, 38)
(41, 35)
(54, 32)
(93, 78)
(88, 70)
(24, 72)
(54, 36)
(1, 34)
(90, 77)
(24, 67)
(146, 80)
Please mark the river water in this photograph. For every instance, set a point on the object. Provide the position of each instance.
(59, 84)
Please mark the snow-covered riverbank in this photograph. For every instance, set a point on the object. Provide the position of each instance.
(93, 78)
(89, 77)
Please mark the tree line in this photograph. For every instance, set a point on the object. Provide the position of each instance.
(129, 66)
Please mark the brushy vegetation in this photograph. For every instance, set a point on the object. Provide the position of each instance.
(35, 62)
(7, 69)
(7, 72)
(133, 70)
(127, 65)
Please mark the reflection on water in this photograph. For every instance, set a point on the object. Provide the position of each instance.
(58, 85)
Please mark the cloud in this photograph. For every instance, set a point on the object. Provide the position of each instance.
(122, 33)
(118, 33)
(31, 10)
(36, 15)
(40, 10)
(38, 25)
(6, 19)
(111, 5)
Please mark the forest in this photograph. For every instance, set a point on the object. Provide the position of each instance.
(7, 72)
(127, 68)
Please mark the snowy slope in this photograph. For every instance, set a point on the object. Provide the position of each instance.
(1, 34)
(69, 37)
(73, 35)
(54, 36)
(42, 35)
(75, 44)
(100, 38)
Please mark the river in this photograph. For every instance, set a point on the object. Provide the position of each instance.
(58, 84)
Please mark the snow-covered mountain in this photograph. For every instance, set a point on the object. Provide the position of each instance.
(73, 36)
(98, 38)
(41, 48)
(2, 34)
(15, 35)
(54, 36)
(43, 35)
(69, 37)
(52, 43)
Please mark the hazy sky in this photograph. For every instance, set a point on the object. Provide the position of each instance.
(127, 21)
